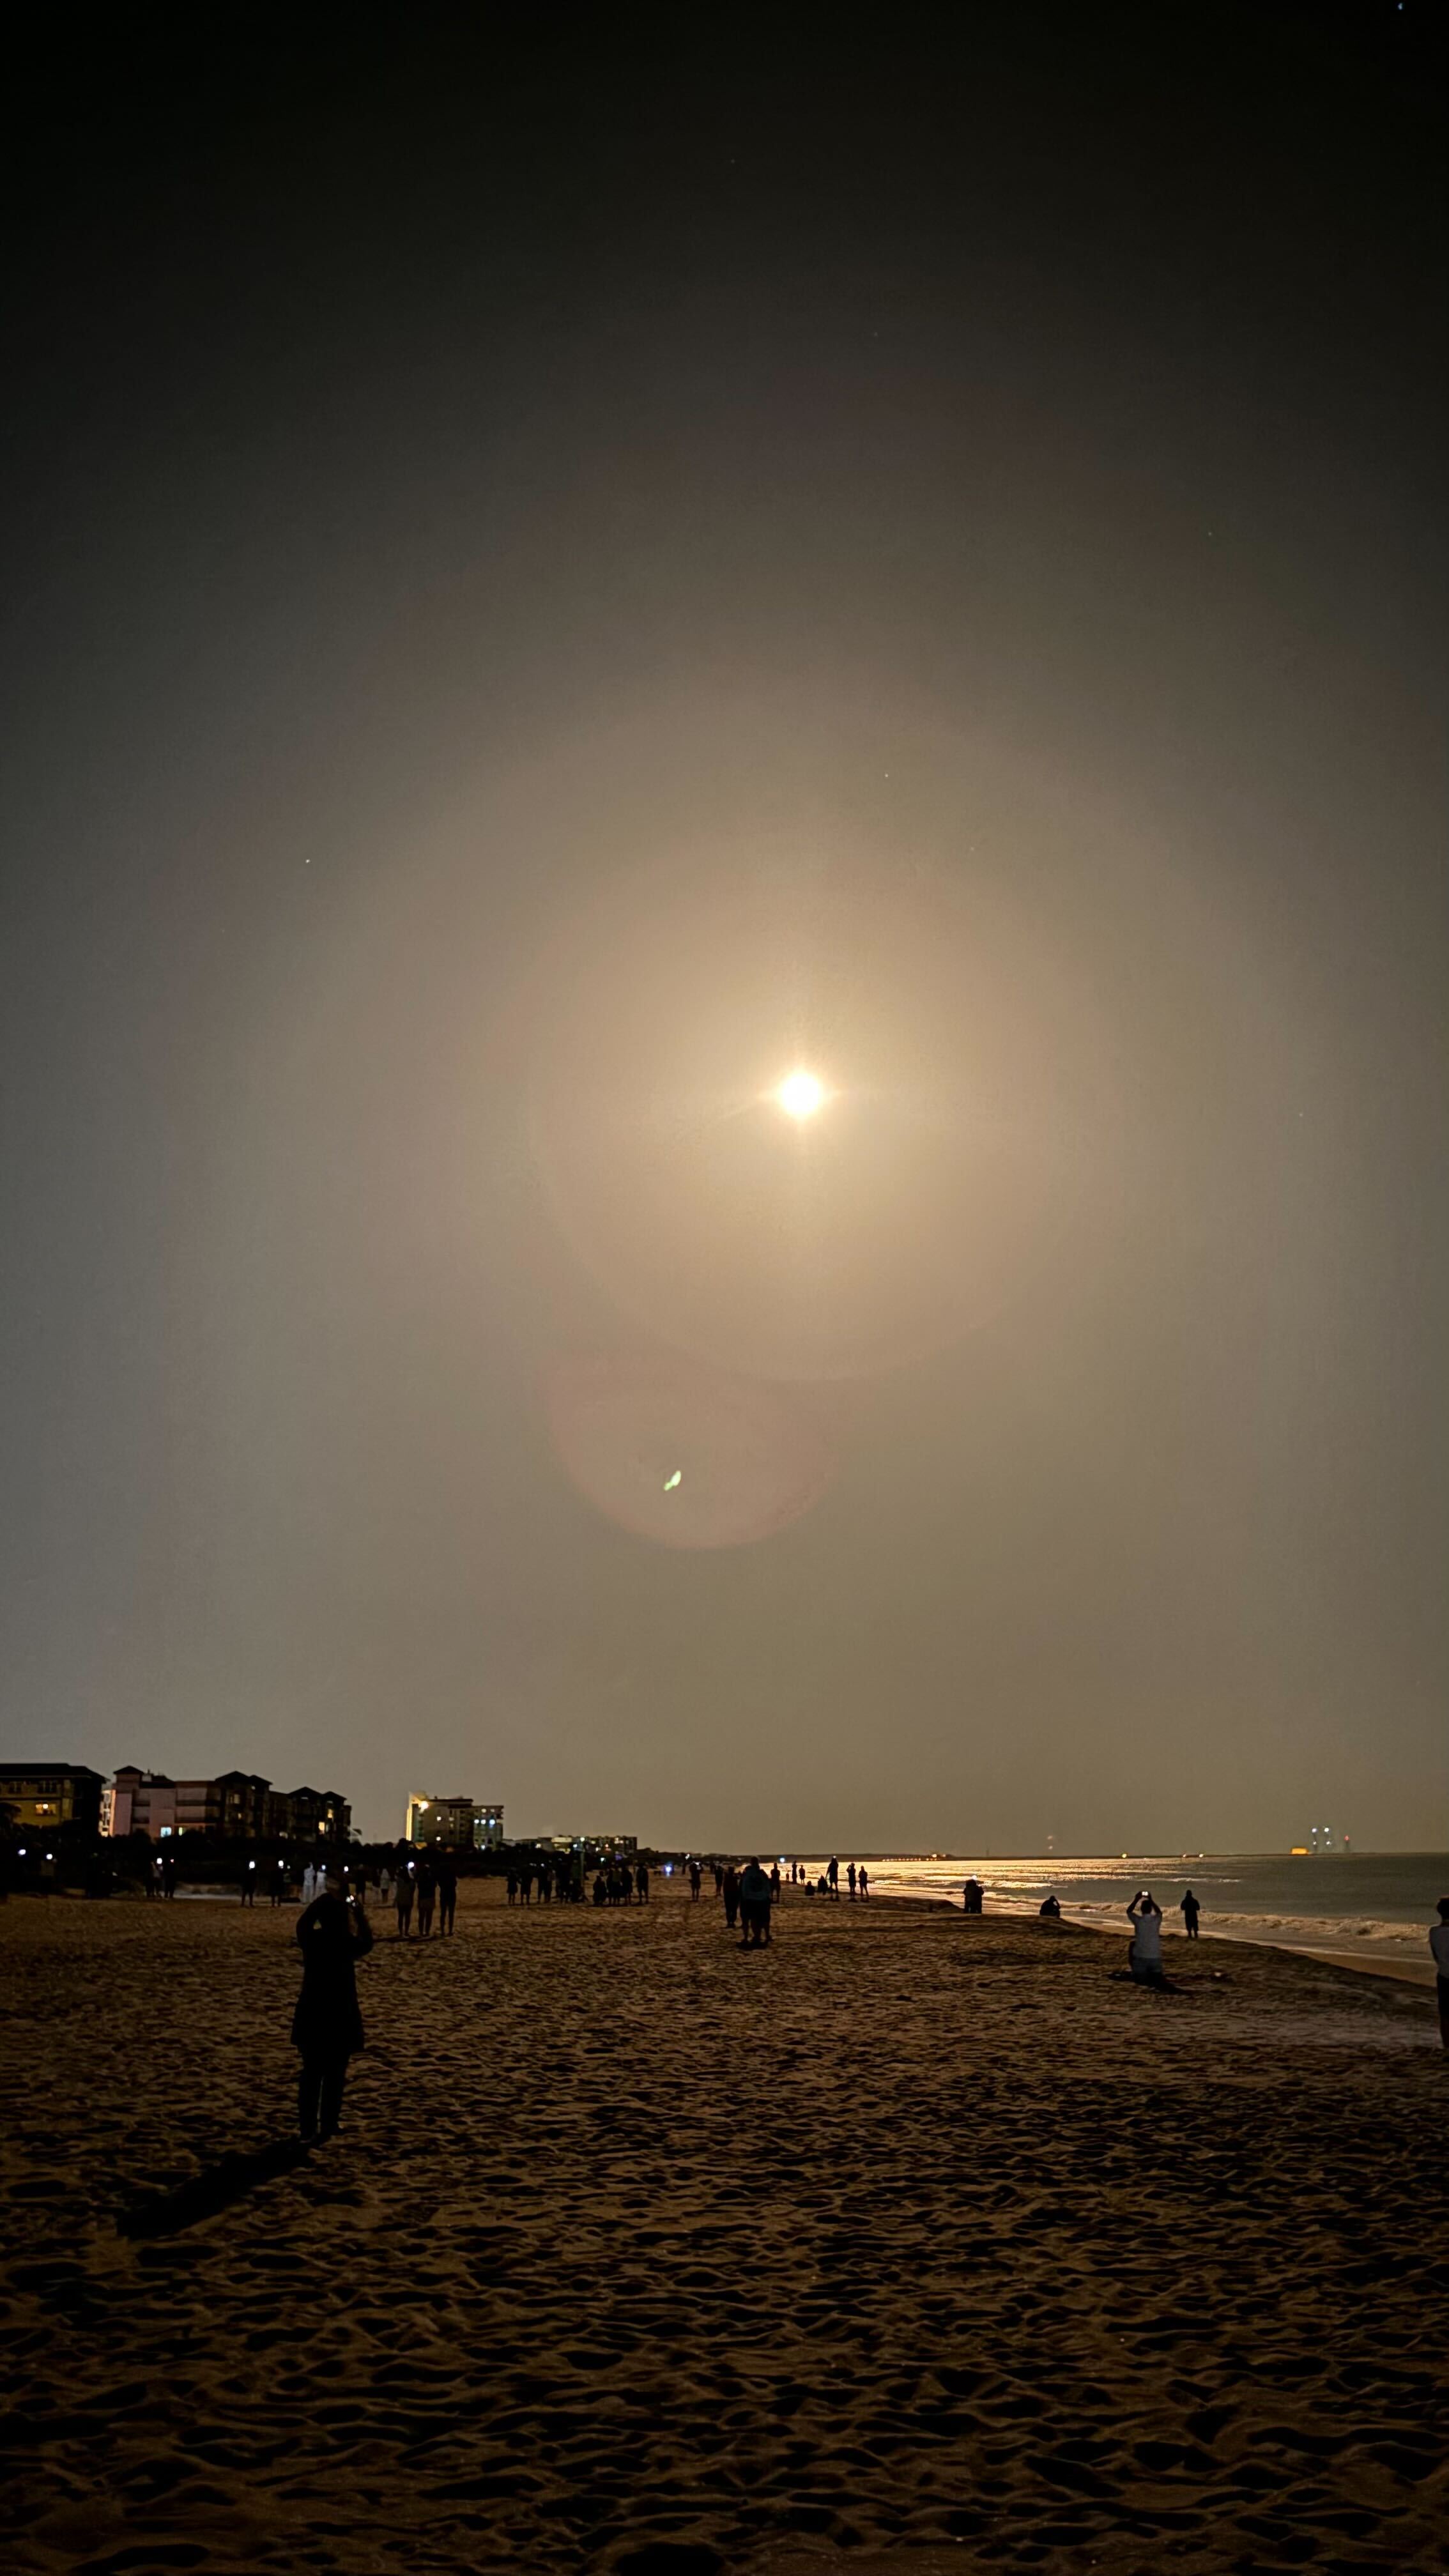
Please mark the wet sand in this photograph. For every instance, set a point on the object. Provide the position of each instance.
(1410, 1972)
(914, 2241)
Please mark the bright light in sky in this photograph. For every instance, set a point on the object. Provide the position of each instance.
(801, 1094)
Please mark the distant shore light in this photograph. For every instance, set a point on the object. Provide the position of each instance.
(801, 1094)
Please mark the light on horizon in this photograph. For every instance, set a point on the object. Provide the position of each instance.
(801, 1093)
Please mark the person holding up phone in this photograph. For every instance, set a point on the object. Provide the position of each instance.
(1145, 1956)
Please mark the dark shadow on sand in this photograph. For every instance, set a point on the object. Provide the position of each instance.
(166, 2213)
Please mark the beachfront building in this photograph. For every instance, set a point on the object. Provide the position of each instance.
(151, 1802)
(462, 1824)
(238, 1806)
(44, 1796)
(315, 1816)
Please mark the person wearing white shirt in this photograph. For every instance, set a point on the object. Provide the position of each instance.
(1439, 1944)
(1145, 1956)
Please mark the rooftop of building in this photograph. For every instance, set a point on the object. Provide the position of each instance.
(64, 1770)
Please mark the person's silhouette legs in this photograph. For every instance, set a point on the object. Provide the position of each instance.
(319, 2095)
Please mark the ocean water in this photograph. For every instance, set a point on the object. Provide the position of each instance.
(1374, 1901)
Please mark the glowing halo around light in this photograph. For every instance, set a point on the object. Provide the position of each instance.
(941, 1090)
(801, 1093)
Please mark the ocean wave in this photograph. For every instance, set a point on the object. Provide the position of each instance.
(1324, 1930)
(1291, 1930)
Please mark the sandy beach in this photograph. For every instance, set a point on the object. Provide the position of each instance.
(911, 2236)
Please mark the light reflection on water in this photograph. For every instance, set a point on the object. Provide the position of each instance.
(1386, 1900)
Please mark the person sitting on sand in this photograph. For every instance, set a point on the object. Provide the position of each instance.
(1145, 1956)
(754, 1906)
(327, 2024)
(1189, 1910)
(1439, 1944)
(1050, 1910)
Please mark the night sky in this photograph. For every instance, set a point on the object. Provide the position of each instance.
(557, 570)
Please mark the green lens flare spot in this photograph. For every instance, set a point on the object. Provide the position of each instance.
(676, 1479)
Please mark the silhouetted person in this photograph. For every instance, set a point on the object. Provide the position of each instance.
(1439, 1945)
(1190, 1910)
(832, 1874)
(427, 1898)
(850, 1879)
(403, 1901)
(754, 1906)
(280, 1887)
(1145, 1956)
(718, 1878)
(512, 1887)
(641, 1882)
(862, 1876)
(447, 1895)
(1049, 1910)
(695, 1875)
(971, 1896)
(327, 2025)
(775, 1882)
(601, 1891)
(730, 1889)
(249, 1883)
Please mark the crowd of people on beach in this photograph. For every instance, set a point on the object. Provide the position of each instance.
(615, 1883)
(421, 1886)
(550, 1877)
(333, 1933)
